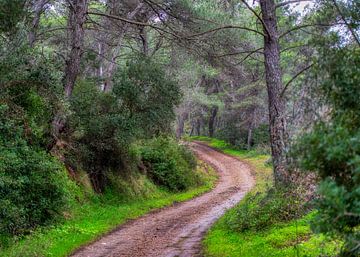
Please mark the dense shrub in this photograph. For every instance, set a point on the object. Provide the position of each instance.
(103, 125)
(33, 185)
(12, 12)
(332, 149)
(261, 210)
(169, 164)
(30, 85)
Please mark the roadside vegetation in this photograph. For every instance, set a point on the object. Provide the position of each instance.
(266, 219)
(93, 215)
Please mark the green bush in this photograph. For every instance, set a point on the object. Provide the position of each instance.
(33, 185)
(169, 164)
(261, 210)
(103, 125)
(30, 86)
(332, 149)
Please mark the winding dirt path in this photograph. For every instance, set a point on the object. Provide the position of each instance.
(177, 230)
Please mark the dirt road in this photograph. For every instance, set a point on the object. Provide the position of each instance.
(178, 230)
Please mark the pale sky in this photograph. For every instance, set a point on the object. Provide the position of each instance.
(297, 7)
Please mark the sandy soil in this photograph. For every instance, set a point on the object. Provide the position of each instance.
(177, 230)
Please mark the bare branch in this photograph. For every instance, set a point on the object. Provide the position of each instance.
(293, 78)
(174, 34)
(257, 16)
(308, 25)
(132, 22)
(248, 55)
(240, 52)
(292, 47)
(225, 27)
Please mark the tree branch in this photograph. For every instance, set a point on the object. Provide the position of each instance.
(248, 55)
(225, 27)
(132, 22)
(240, 52)
(308, 25)
(346, 23)
(293, 78)
(173, 34)
(257, 16)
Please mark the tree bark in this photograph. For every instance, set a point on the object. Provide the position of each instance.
(144, 41)
(37, 8)
(252, 125)
(198, 127)
(180, 125)
(213, 113)
(277, 119)
(77, 18)
(111, 68)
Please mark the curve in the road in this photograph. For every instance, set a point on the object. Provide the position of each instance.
(177, 230)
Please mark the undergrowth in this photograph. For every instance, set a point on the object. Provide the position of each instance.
(89, 220)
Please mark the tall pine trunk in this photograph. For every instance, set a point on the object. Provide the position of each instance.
(277, 119)
(77, 18)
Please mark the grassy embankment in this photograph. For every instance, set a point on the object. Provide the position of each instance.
(282, 239)
(90, 220)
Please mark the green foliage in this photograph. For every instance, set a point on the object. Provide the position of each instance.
(96, 217)
(147, 95)
(282, 238)
(30, 86)
(11, 12)
(169, 164)
(103, 125)
(262, 210)
(33, 186)
(288, 239)
(238, 137)
(332, 149)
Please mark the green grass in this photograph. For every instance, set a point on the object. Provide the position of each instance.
(283, 239)
(92, 220)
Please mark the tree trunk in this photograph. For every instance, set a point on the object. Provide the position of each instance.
(144, 41)
(77, 18)
(180, 125)
(198, 127)
(213, 113)
(111, 68)
(249, 137)
(192, 129)
(277, 117)
(37, 8)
